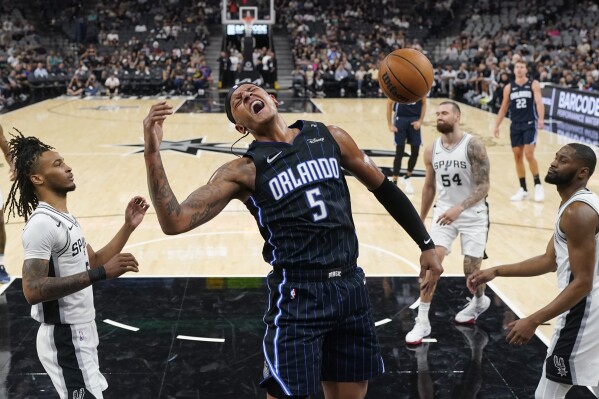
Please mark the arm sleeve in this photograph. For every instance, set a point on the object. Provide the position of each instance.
(402, 210)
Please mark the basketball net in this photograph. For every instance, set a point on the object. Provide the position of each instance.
(248, 21)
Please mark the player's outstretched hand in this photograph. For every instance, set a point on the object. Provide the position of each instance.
(521, 331)
(153, 126)
(496, 133)
(430, 270)
(120, 264)
(136, 210)
(479, 278)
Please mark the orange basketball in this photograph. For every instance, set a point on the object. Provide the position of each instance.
(406, 75)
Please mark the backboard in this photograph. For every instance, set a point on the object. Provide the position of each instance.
(234, 11)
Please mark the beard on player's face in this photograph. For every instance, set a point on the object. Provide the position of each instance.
(559, 179)
(444, 127)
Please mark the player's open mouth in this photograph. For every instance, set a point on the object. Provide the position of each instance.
(257, 106)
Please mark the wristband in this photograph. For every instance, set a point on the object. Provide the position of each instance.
(96, 274)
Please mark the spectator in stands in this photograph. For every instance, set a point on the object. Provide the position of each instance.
(447, 77)
(373, 79)
(91, 86)
(341, 77)
(460, 83)
(112, 85)
(140, 28)
(437, 80)
(167, 80)
(224, 65)
(359, 76)
(52, 60)
(451, 54)
(267, 67)
(112, 38)
(299, 85)
(318, 86)
(206, 72)
(40, 72)
(178, 77)
(75, 87)
(59, 70)
(234, 64)
(504, 80)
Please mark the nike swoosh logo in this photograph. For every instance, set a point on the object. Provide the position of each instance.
(58, 224)
(437, 153)
(273, 157)
(427, 241)
(71, 228)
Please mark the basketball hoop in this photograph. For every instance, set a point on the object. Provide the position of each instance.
(248, 21)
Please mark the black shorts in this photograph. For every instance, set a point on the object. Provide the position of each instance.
(406, 132)
(319, 328)
(523, 133)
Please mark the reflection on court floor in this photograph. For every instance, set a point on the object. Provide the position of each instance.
(192, 337)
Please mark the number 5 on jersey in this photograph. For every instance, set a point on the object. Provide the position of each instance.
(316, 201)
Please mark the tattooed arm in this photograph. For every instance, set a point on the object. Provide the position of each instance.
(479, 161)
(38, 287)
(477, 155)
(234, 180)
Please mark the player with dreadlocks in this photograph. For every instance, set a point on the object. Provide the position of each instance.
(60, 267)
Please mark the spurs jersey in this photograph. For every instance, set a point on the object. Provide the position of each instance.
(573, 356)
(453, 175)
(522, 102)
(57, 237)
(301, 202)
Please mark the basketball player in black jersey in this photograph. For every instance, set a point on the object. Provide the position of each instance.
(523, 97)
(319, 328)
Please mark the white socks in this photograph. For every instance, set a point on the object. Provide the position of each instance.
(423, 309)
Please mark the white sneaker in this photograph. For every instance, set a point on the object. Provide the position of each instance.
(539, 193)
(520, 195)
(421, 329)
(408, 188)
(470, 313)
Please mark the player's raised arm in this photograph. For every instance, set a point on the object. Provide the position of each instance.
(233, 180)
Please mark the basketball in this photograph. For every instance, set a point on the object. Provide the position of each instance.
(405, 75)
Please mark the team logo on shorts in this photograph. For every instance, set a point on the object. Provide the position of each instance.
(293, 293)
(560, 364)
(79, 394)
(81, 336)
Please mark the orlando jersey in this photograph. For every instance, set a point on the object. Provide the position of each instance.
(453, 175)
(57, 237)
(301, 201)
(412, 110)
(573, 356)
(522, 103)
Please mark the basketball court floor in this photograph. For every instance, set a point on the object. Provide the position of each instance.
(189, 324)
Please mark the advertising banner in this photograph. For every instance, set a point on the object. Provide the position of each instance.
(578, 112)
